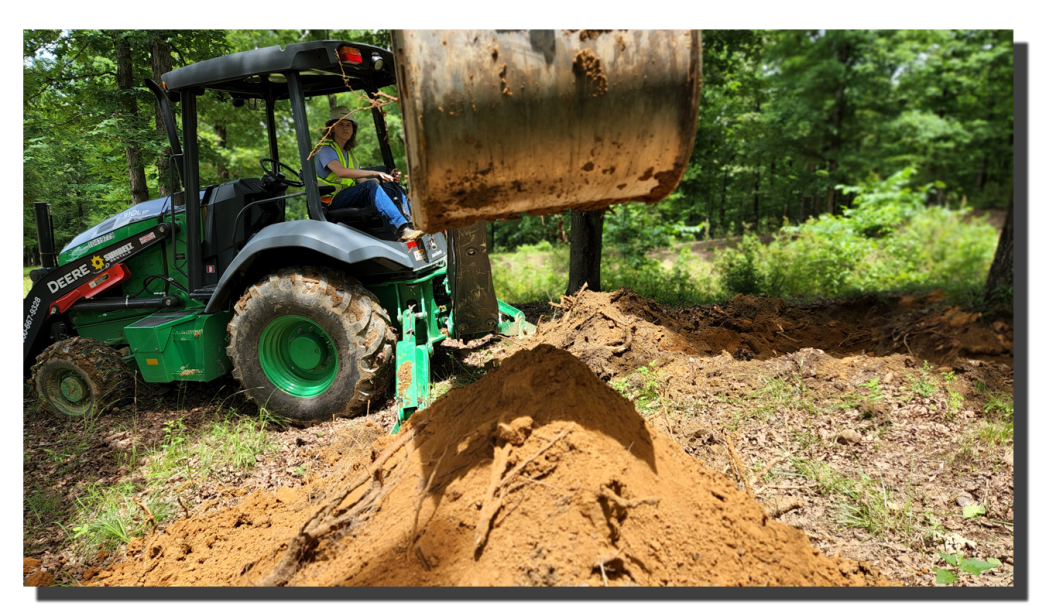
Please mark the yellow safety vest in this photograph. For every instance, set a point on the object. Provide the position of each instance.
(345, 159)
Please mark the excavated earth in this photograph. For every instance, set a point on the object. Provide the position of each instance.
(538, 474)
(544, 472)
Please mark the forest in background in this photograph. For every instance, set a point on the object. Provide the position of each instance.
(793, 125)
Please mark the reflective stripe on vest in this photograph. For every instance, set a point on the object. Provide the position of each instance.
(346, 160)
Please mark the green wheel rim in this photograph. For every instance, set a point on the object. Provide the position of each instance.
(68, 392)
(298, 356)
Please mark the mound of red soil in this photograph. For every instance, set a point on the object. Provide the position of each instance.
(538, 474)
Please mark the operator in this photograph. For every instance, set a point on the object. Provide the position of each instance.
(337, 167)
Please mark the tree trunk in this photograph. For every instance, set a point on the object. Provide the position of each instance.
(721, 206)
(162, 62)
(757, 185)
(124, 80)
(1001, 273)
(806, 199)
(843, 53)
(980, 183)
(585, 250)
(831, 192)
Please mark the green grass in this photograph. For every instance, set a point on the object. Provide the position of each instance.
(862, 502)
(228, 446)
(535, 273)
(540, 272)
(26, 283)
(642, 387)
(107, 516)
(991, 440)
(829, 257)
(996, 403)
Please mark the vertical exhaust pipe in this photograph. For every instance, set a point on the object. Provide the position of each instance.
(44, 234)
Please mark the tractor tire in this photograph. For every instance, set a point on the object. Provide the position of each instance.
(81, 377)
(309, 343)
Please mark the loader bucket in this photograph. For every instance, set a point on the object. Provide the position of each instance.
(539, 121)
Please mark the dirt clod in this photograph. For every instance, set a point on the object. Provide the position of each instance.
(588, 69)
(40, 578)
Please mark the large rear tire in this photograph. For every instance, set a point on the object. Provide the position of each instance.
(81, 377)
(310, 343)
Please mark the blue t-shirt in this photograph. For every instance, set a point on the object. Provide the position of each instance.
(325, 155)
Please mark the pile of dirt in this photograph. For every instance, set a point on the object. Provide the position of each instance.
(537, 474)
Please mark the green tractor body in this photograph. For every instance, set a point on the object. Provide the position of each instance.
(315, 317)
(320, 314)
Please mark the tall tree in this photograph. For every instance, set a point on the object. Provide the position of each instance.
(1001, 273)
(128, 103)
(161, 63)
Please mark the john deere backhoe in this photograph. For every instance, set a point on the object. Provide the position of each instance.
(320, 316)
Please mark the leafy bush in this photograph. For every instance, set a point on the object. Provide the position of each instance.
(689, 280)
(890, 242)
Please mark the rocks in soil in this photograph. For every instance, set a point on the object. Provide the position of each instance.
(537, 474)
(849, 437)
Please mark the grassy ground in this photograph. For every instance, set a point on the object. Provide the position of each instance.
(825, 258)
(26, 283)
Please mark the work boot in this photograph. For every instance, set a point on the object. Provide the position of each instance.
(406, 233)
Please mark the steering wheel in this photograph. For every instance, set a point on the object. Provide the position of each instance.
(275, 172)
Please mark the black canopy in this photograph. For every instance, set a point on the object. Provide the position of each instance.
(259, 73)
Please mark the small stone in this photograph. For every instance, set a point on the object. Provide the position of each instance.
(954, 542)
(697, 430)
(964, 500)
(849, 437)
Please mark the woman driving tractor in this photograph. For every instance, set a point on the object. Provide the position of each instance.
(337, 166)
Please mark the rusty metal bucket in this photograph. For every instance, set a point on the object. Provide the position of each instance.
(502, 122)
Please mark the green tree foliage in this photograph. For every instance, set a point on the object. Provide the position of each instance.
(76, 131)
(787, 120)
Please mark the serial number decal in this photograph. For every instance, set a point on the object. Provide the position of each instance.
(101, 239)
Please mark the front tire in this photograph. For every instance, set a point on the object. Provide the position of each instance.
(310, 343)
(81, 377)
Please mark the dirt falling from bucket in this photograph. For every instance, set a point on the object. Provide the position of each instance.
(538, 474)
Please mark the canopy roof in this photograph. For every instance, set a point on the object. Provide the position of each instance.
(259, 73)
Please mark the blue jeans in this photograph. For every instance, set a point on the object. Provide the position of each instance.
(364, 194)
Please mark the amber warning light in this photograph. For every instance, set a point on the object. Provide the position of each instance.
(349, 54)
